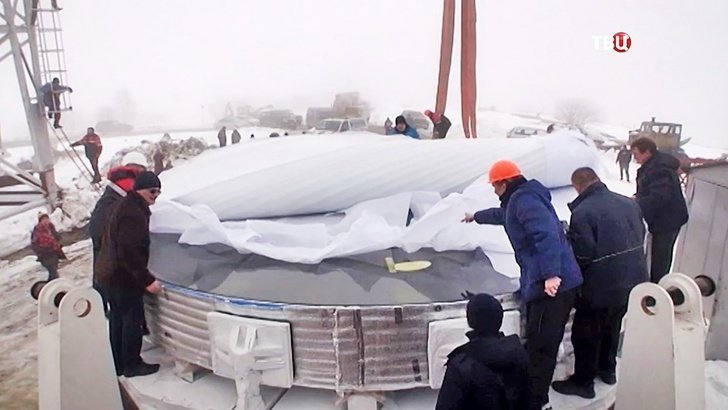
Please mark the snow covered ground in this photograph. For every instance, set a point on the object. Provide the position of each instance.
(18, 374)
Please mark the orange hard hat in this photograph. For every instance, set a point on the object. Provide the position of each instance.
(502, 170)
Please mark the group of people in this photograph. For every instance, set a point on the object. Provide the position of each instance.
(591, 267)
(119, 230)
(234, 137)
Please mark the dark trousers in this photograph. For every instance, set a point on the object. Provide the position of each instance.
(51, 265)
(661, 254)
(595, 336)
(623, 171)
(93, 159)
(54, 112)
(125, 329)
(545, 323)
(104, 299)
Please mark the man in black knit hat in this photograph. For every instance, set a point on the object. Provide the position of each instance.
(491, 370)
(122, 272)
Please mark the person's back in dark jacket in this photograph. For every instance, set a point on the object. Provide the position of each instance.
(659, 194)
(235, 137)
(222, 136)
(491, 370)
(607, 235)
(660, 197)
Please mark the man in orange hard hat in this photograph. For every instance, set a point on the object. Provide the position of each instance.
(550, 276)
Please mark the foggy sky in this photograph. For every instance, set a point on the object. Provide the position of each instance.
(180, 61)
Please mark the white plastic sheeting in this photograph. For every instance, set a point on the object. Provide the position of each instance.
(372, 180)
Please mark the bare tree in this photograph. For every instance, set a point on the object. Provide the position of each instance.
(576, 112)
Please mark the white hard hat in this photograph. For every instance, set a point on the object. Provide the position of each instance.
(134, 157)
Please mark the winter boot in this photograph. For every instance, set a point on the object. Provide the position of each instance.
(570, 387)
(141, 369)
(609, 378)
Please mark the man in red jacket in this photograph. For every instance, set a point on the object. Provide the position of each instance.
(123, 273)
(92, 145)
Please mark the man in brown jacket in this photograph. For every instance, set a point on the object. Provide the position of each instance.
(123, 272)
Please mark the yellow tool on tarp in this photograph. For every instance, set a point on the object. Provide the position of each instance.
(410, 266)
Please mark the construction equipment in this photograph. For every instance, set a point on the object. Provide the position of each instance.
(667, 135)
(75, 365)
(665, 336)
(350, 104)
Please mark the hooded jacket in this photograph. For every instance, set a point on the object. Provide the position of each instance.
(659, 194)
(408, 131)
(607, 234)
(537, 237)
(486, 373)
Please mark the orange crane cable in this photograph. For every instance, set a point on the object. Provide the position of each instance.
(446, 44)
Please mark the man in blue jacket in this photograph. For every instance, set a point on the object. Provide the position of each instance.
(401, 127)
(550, 276)
(607, 235)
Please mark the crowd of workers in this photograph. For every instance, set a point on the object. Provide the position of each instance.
(591, 267)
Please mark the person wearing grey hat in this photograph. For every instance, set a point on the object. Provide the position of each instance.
(123, 273)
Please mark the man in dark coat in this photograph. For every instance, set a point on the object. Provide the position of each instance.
(624, 157)
(235, 137)
(45, 242)
(491, 370)
(92, 145)
(123, 273)
(660, 197)
(121, 181)
(440, 124)
(607, 234)
(222, 136)
(550, 276)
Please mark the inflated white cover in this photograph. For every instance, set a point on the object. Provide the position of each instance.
(372, 212)
(309, 174)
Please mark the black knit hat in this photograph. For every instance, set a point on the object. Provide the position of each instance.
(400, 120)
(485, 314)
(147, 180)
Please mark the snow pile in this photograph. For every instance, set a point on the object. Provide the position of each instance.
(171, 149)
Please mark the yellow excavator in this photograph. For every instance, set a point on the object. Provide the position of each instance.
(667, 135)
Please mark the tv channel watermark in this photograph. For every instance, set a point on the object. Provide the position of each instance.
(619, 42)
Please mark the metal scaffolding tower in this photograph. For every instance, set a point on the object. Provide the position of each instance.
(34, 36)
